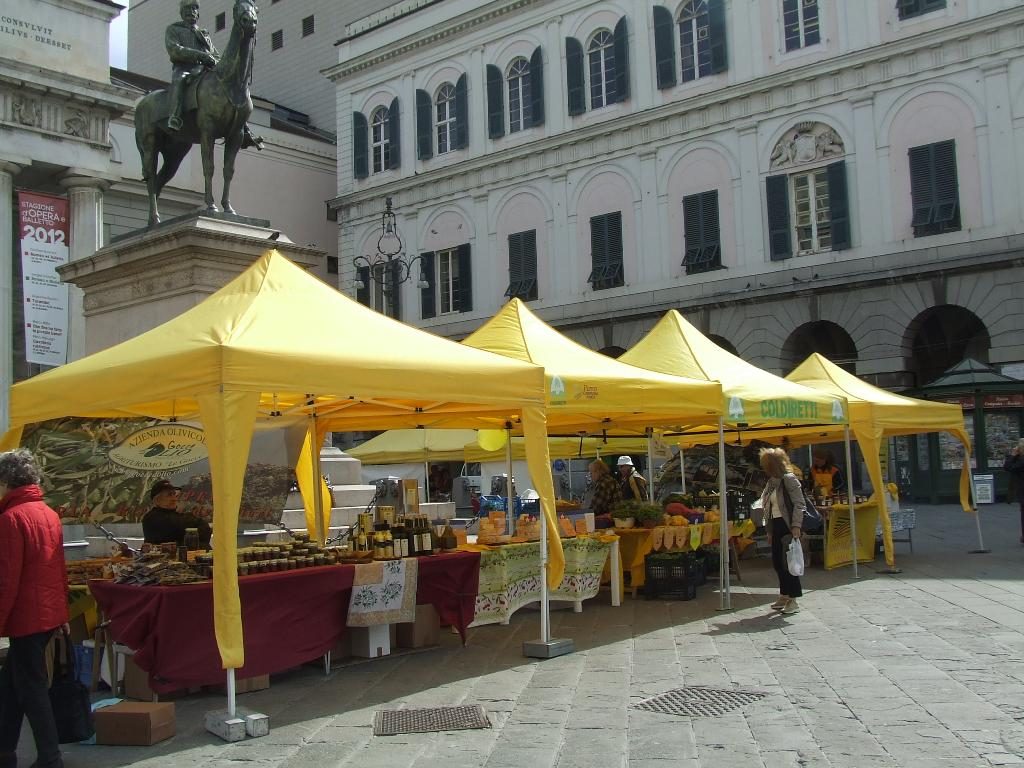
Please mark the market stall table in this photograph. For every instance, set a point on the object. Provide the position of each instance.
(509, 576)
(288, 618)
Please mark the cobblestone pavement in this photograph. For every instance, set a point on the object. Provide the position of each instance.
(923, 669)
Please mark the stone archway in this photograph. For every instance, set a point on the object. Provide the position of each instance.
(612, 351)
(724, 343)
(940, 337)
(825, 338)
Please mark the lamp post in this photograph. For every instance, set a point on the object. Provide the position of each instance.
(387, 267)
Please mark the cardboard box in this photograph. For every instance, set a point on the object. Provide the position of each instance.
(136, 684)
(424, 631)
(370, 642)
(135, 723)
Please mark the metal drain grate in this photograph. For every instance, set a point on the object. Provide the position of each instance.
(389, 722)
(698, 701)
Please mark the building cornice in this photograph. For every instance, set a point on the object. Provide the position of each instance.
(443, 30)
(975, 42)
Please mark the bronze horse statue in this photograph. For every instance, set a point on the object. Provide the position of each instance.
(217, 106)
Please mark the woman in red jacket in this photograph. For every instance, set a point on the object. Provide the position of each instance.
(33, 605)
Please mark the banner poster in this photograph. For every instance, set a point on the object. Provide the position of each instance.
(101, 470)
(700, 462)
(44, 232)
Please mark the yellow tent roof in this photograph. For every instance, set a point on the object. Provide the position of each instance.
(274, 345)
(588, 391)
(751, 395)
(404, 446)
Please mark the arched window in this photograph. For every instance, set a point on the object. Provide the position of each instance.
(695, 39)
(519, 97)
(601, 56)
(445, 102)
(380, 139)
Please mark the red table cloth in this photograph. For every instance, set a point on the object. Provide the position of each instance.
(288, 618)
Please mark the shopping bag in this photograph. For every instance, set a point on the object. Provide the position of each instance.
(795, 558)
(69, 699)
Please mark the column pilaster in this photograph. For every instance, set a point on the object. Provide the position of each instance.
(8, 171)
(85, 203)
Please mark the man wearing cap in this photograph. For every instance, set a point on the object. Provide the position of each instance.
(164, 523)
(632, 483)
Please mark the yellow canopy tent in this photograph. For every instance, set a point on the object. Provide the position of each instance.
(753, 397)
(590, 392)
(278, 346)
(876, 414)
(406, 446)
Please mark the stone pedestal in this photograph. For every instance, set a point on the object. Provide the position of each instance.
(148, 277)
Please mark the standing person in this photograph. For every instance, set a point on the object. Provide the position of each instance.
(784, 519)
(825, 474)
(164, 523)
(631, 482)
(605, 493)
(33, 605)
(1014, 464)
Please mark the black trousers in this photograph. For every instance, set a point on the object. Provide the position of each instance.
(789, 585)
(24, 693)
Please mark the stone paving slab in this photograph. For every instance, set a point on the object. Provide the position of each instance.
(921, 669)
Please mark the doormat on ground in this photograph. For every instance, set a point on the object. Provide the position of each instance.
(389, 722)
(699, 701)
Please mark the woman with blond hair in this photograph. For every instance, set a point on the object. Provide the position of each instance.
(783, 504)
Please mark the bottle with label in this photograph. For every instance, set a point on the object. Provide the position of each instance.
(424, 535)
(448, 540)
(401, 539)
(389, 542)
(192, 539)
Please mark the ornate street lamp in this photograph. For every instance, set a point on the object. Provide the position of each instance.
(387, 267)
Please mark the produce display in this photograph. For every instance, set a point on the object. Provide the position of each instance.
(81, 571)
(155, 568)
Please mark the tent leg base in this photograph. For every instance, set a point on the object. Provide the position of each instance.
(893, 569)
(541, 649)
(978, 551)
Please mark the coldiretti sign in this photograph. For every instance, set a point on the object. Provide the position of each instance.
(789, 409)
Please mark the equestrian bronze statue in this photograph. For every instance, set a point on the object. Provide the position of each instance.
(208, 100)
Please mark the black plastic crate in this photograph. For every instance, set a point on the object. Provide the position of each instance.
(676, 574)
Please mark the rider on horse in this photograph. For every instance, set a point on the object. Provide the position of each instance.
(191, 52)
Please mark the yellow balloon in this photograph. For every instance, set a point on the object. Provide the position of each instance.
(491, 439)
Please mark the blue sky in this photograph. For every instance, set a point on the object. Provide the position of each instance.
(119, 39)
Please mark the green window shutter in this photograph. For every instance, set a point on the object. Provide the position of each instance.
(922, 192)
(428, 295)
(360, 146)
(465, 279)
(614, 252)
(395, 135)
(424, 126)
(522, 265)
(947, 190)
(395, 290)
(537, 87)
(780, 244)
(577, 96)
(529, 265)
(621, 48)
(717, 33)
(664, 46)
(495, 103)
(839, 205)
(461, 113)
(702, 233)
(363, 294)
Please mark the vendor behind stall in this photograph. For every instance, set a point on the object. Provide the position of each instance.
(825, 474)
(164, 523)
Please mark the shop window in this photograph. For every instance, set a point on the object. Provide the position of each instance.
(801, 23)
(908, 9)
(449, 284)
(522, 265)
(702, 236)
(606, 251)
(934, 189)
(277, 40)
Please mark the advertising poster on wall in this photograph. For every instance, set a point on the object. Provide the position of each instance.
(44, 232)
(101, 470)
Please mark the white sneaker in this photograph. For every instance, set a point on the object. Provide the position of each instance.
(779, 604)
(791, 607)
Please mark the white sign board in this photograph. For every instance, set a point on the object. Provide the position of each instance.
(984, 489)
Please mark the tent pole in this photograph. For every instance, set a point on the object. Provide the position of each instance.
(682, 468)
(977, 512)
(650, 464)
(231, 693)
(545, 604)
(850, 498)
(510, 514)
(725, 596)
(318, 481)
(426, 479)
